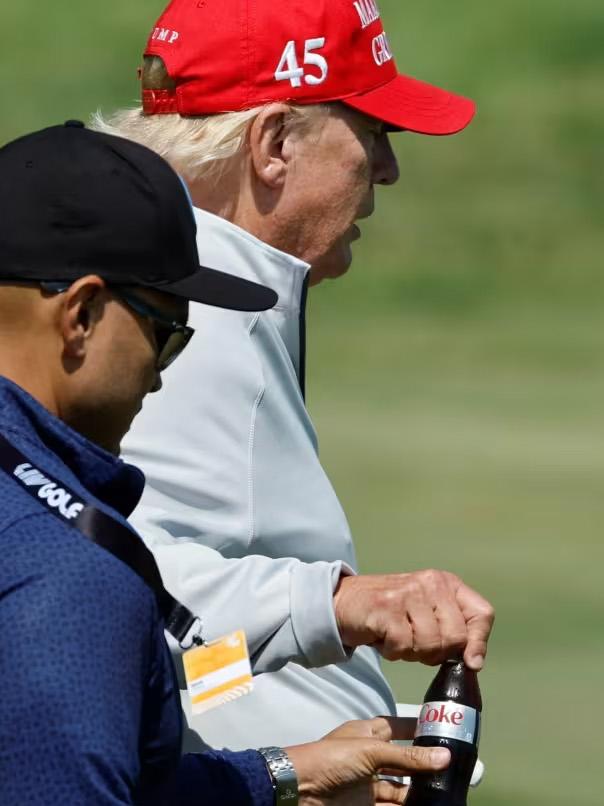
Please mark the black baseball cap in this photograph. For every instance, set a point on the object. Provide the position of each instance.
(76, 202)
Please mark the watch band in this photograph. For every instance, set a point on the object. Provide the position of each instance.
(283, 775)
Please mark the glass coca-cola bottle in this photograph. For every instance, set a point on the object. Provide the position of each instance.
(450, 717)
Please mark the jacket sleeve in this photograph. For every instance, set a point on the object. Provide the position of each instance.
(194, 443)
(212, 778)
(285, 606)
(215, 778)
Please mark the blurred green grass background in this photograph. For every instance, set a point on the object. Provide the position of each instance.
(456, 375)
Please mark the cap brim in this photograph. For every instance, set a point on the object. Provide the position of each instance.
(222, 290)
(406, 103)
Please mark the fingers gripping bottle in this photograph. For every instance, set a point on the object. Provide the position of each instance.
(450, 717)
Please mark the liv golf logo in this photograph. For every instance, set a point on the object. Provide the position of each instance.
(49, 492)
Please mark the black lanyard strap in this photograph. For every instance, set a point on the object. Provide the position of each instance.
(106, 532)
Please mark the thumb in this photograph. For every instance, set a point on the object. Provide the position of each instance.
(407, 760)
(479, 616)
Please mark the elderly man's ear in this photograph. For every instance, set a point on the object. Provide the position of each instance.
(271, 143)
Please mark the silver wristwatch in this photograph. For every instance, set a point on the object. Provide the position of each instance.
(283, 775)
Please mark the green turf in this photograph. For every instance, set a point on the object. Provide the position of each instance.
(457, 373)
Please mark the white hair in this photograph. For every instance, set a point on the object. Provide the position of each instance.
(196, 147)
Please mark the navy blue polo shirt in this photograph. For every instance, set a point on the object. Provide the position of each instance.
(89, 712)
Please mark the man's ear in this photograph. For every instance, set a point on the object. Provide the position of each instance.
(270, 145)
(81, 310)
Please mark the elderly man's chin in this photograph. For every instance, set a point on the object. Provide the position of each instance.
(337, 261)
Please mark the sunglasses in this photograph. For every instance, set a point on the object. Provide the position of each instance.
(171, 337)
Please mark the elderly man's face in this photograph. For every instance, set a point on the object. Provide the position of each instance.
(338, 166)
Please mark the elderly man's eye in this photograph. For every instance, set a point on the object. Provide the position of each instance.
(377, 130)
(372, 137)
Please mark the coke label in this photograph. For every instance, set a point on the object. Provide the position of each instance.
(449, 720)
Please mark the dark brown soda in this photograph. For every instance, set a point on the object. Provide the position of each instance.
(456, 683)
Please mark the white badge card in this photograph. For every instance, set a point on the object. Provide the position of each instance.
(218, 672)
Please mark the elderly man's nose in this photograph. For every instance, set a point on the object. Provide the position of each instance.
(385, 164)
(157, 384)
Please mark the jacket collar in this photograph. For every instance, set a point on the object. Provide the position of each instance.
(107, 478)
(225, 245)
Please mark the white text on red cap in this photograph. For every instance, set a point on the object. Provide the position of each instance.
(165, 35)
(367, 10)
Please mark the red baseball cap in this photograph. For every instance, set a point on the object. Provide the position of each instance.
(230, 55)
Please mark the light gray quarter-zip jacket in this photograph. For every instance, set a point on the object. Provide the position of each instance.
(242, 519)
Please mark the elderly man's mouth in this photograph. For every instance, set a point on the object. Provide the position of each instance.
(366, 213)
